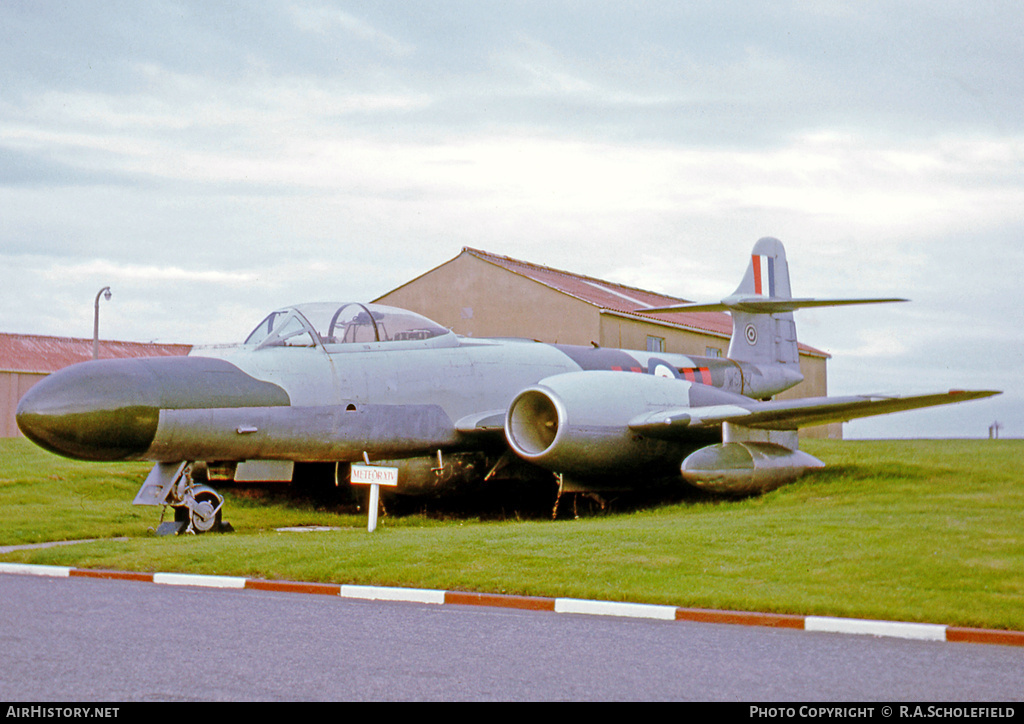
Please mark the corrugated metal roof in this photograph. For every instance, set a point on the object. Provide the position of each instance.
(618, 298)
(35, 353)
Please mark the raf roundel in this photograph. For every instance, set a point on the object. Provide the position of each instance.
(751, 334)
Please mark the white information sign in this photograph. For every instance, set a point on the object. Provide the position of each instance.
(374, 476)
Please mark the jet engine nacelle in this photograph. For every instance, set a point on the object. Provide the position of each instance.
(577, 423)
(745, 468)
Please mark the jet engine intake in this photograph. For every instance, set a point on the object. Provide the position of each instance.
(533, 423)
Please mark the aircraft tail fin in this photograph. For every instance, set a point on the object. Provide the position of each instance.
(763, 335)
(763, 330)
(767, 273)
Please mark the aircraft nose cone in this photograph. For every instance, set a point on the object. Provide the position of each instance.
(101, 410)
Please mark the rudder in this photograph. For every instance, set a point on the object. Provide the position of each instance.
(764, 337)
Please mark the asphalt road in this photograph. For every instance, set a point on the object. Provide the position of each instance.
(78, 639)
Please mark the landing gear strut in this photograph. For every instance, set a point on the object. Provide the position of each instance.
(576, 493)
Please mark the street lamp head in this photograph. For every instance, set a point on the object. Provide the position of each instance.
(106, 294)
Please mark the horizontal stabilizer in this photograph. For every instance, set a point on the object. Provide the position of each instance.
(766, 305)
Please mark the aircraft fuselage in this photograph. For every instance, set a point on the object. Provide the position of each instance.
(338, 383)
(385, 399)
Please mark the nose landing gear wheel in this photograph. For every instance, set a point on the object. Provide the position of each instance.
(202, 512)
(205, 515)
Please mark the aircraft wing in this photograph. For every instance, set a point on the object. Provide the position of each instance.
(792, 414)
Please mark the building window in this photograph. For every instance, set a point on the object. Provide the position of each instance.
(712, 352)
(655, 344)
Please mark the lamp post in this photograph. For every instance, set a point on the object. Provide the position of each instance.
(105, 293)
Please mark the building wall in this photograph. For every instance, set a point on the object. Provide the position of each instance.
(477, 299)
(630, 333)
(13, 386)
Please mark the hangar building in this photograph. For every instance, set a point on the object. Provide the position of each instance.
(479, 294)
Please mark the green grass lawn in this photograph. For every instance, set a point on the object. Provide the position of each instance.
(901, 530)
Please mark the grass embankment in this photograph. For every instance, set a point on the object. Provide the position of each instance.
(901, 530)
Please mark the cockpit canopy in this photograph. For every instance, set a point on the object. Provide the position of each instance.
(332, 325)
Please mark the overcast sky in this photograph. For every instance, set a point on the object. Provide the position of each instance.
(211, 161)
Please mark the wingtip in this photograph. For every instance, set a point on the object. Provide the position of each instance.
(975, 394)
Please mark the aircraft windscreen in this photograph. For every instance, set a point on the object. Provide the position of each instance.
(283, 328)
(348, 323)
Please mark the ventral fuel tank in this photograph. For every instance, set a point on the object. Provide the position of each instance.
(746, 468)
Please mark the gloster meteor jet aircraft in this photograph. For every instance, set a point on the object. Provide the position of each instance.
(342, 383)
